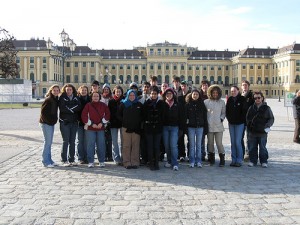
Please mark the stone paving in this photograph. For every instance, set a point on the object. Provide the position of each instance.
(32, 194)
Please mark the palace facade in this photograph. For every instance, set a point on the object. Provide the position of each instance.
(272, 70)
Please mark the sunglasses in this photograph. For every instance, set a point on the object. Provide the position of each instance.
(257, 98)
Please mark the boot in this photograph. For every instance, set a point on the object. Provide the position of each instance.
(222, 159)
(211, 158)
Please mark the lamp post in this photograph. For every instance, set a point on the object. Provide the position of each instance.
(279, 85)
(65, 52)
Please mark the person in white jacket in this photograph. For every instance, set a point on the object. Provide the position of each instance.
(215, 116)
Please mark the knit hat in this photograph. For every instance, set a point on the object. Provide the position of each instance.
(133, 85)
(106, 85)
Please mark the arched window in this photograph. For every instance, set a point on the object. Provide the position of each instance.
(159, 79)
(190, 79)
(128, 80)
(212, 79)
(220, 80)
(144, 78)
(136, 78)
(227, 81)
(121, 79)
(113, 79)
(105, 78)
(182, 77)
(167, 79)
(45, 77)
(32, 76)
(204, 77)
(197, 80)
(297, 79)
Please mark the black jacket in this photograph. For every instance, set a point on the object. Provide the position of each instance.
(69, 108)
(153, 113)
(113, 106)
(258, 119)
(49, 111)
(174, 115)
(236, 110)
(83, 102)
(131, 117)
(196, 114)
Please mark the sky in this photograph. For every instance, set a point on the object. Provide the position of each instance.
(119, 24)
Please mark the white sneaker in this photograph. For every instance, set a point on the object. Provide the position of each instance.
(250, 164)
(102, 165)
(91, 165)
(67, 164)
(74, 164)
(168, 165)
(54, 164)
(264, 165)
(199, 165)
(50, 166)
(192, 165)
(175, 168)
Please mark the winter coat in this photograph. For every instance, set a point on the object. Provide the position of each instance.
(69, 108)
(95, 111)
(83, 100)
(131, 117)
(196, 113)
(296, 106)
(259, 118)
(236, 110)
(153, 113)
(174, 115)
(49, 111)
(216, 110)
(113, 106)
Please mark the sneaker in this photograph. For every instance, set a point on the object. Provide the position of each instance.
(246, 158)
(67, 164)
(91, 165)
(250, 164)
(74, 164)
(175, 168)
(54, 164)
(192, 165)
(264, 165)
(181, 159)
(186, 159)
(50, 166)
(102, 165)
(199, 165)
(168, 165)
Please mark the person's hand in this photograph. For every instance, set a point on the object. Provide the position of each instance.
(95, 126)
(99, 126)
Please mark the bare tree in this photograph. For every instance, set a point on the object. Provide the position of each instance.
(8, 53)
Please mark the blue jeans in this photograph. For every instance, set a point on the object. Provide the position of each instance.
(236, 134)
(95, 137)
(254, 142)
(195, 138)
(170, 137)
(68, 133)
(116, 149)
(81, 144)
(48, 132)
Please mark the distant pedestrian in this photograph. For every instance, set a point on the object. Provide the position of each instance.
(259, 119)
(296, 112)
(48, 119)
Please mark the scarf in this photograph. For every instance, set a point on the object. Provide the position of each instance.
(127, 102)
(170, 103)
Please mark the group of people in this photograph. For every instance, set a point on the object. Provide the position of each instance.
(152, 121)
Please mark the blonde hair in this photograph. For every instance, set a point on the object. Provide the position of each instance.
(49, 93)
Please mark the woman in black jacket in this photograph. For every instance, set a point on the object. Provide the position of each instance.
(69, 106)
(115, 123)
(236, 110)
(130, 113)
(82, 143)
(48, 119)
(153, 124)
(196, 121)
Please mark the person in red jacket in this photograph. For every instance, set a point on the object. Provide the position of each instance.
(95, 115)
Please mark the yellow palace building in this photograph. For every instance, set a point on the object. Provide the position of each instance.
(272, 70)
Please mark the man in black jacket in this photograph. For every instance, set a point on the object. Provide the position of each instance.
(259, 119)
